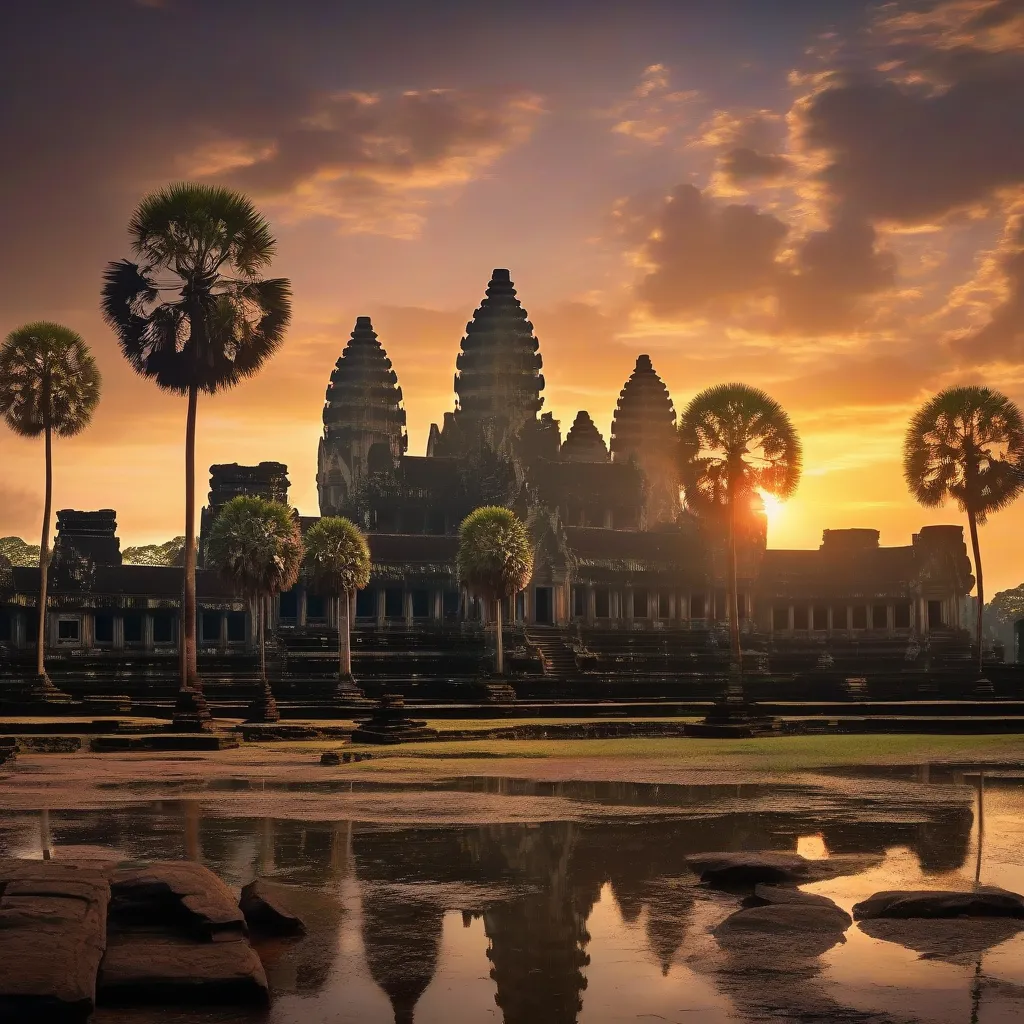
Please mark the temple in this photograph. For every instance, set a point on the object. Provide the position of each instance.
(628, 591)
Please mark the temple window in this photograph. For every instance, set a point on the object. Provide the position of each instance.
(6, 626)
(103, 628)
(696, 606)
(720, 611)
(450, 604)
(421, 604)
(579, 599)
(935, 615)
(393, 603)
(780, 616)
(602, 603)
(839, 616)
(901, 615)
(316, 607)
(741, 605)
(640, 610)
(163, 627)
(133, 628)
(366, 603)
(236, 627)
(879, 617)
(819, 617)
(801, 616)
(860, 617)
(69, 631)
(211, 627)
(31, 627)
(664, 605)
(289, 606)
(435, 521)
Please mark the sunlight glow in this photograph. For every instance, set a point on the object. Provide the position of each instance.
(773, 507)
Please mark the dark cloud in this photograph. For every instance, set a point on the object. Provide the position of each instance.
(706, 256)
(744, 165)
(369, 159)
(709, 258)
(940, 128)
(1002, 337)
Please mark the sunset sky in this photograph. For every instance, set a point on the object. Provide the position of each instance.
(819, 197)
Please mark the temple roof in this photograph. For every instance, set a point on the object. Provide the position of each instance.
(613, 484)
(498, 369)
(161, 582)
(634, 550)
(645, 419)
(584, 442)
(363, 395)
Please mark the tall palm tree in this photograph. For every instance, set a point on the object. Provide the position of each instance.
(967, 444)
(195, 316)
(736, 441)
(256, 546)
(49, 384)
(339, 558)
(495, 558)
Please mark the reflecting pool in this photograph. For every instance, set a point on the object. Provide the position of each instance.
(588, 913)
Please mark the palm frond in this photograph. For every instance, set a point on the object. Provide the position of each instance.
(495, 554)
(338, 556)
(734, 437)
(48, 377)
(256, 546)
(966, 444)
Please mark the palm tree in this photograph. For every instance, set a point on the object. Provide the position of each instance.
(49, 384)
(339, 558)
(256, 546)
(736, 441)
(495, 559)
(195, 316)
(967, 444)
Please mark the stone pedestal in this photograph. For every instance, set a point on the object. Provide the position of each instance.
(264, 707)
(388, 724)
(191, 713)
(35, 690)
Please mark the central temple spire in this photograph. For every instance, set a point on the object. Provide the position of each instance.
(498, 370)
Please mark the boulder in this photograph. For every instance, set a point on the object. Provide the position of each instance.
(176, 894)
(161, 969)
(984, 901)
(802, 925)
(741, 869)
(53, 932)
(266, 910)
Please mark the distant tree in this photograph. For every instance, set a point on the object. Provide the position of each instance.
(1002, 612)
(256, 546)
(194, 315)
(49, 384)
(736, 441)
(967, 444)
(171, 552)
(18, 552)
(495, 559)
(339, 561)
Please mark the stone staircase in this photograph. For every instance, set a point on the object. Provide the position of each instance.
(557, 657)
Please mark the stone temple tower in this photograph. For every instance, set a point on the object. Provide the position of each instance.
(584, 442)
(644, 429)
(364, 421)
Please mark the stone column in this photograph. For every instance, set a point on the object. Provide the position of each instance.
(608, 519)
(407, 607)
(223, 631)
(791, 619)
(380, 607)
(147, 631)
(628, 595)
(119, 632)
(591, 604)
(890, 618)
(301, 606)
(437, 605)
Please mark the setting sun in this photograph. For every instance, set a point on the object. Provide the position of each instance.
(773, 507)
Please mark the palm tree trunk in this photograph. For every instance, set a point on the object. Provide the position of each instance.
(499, 652)
(973, 524)
(44, 557)
(344, 637)
(189, 670)
(262, 612)
(735, 688)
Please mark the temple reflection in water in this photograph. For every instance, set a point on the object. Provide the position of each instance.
(390, 890)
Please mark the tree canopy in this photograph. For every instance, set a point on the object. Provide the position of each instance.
(171, 552)
(495, 555)
(256, 545)
(338, 556)
(48, 378)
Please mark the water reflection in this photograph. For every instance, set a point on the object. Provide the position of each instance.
(597, 919)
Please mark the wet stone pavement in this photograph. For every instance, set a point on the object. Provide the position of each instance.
(595, 916)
